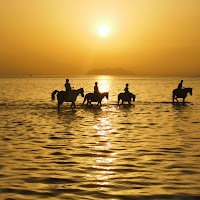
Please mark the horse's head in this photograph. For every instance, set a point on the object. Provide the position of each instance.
(82, 92)
(190, 91)
(133, 97)
(106, 95)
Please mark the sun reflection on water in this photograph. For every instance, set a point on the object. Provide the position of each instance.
(104, 163)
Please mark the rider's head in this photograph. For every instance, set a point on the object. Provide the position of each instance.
(96, 83)
(67, 80)
(127, 84)
(181, 80)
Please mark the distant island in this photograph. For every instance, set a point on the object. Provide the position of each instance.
(110, 71)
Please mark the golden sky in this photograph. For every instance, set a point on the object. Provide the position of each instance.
(147, 37)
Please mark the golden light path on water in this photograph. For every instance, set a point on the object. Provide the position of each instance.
(104, 164)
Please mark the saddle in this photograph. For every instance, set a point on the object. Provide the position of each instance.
(95, 96)
(68, 94)
(127, 95)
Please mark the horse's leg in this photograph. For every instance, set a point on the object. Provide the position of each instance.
(59, 104)
(122, 102)
(118, 100)
(184, 100)
(73, 104)
(84, 100)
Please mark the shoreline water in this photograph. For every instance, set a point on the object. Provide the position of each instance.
(149, 150)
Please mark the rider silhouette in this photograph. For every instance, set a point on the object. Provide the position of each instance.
(67, 85)
(96, 89)
(126, 89)
(180, 85)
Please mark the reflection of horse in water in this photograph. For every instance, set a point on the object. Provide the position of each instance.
(91, 97)
(181, 93)
(126, 97)
(67, 96)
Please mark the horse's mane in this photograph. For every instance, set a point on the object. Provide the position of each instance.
(77, 89)
(104, 94)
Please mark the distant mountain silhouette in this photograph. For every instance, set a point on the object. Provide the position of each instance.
(110, 71)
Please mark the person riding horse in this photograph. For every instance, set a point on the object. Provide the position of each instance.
(126, 96)
(181, 92)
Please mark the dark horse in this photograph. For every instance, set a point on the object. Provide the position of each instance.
(68, 97)
(126, 97)
(181, 93)
(91, 97)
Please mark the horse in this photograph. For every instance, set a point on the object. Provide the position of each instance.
(181, 93)
(126, 97)
(67, 96)
(91, 97)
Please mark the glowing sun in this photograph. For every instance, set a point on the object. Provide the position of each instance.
(104, 30)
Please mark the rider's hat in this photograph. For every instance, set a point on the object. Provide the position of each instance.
(96, 83)
(67, 80)
(127, 84)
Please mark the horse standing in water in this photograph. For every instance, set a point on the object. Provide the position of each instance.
(67, 97)
(181, 93)
(91, 97)
(126, 98)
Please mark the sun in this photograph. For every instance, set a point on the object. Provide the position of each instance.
(104, 30)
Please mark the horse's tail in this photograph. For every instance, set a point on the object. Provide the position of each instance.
(53, 94)
(173, 95)
(118, 98)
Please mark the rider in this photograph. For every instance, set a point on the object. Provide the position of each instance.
(96, 89)
(180, 85)
(126, 89)
(67, 86)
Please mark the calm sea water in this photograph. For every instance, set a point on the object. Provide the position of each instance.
(147, 151)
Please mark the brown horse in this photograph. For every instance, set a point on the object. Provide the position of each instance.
(67, 96)
(181, 93)
(91, 97)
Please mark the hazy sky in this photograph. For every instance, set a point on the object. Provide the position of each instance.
(148, 37)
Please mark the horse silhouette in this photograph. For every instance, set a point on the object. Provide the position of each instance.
(67, 96)
(126, 97)
(91, 97)
(181, 93)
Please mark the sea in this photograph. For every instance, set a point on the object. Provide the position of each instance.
(147, 151)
